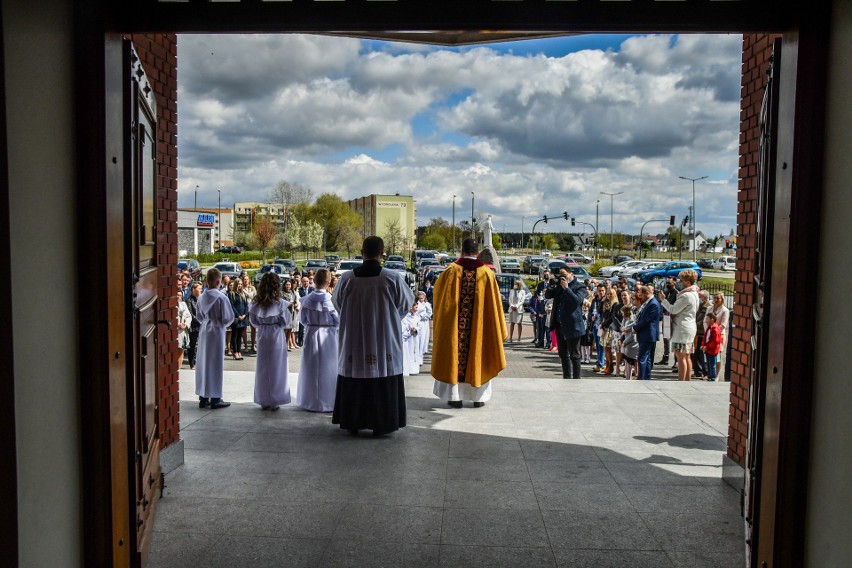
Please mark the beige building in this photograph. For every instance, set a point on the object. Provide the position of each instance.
(382, 213)
(246, 212)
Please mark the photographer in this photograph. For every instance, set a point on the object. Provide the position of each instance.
(567, 319)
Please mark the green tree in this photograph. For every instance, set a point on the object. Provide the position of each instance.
(566, 242)
(548, 241)
(336, 216)
(433, 241)
(287, 195)
(496, 241)
(393, 236)
(349, 238)
(264, 232)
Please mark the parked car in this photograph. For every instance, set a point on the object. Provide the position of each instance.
(622, 258)
(554, 265)
(510, 265)
(421, 254)
(725, 263)
(631, 283)
(315, 264)
(276, 268)
(657, 275)
(399, 266)
(551, 266)
(231, 269)
(506, 282)
(647, 265)
(544, 252)
(332, 260)
(395, 258)
(230, 250)
(579, 258)
(289, 265)
(424, 263)
(705, 262)
(191, 265)
(613, 270)
(532, 263)
(345, 266)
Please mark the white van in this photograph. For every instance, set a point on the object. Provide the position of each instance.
(725, 263)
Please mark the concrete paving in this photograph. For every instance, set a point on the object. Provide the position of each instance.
(594, 472)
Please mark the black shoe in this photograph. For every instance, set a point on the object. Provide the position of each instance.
(214, 404)
(539, 345)
(353, 431)
(478, 404)
(663, 361)
(455, 403)
(203, 402)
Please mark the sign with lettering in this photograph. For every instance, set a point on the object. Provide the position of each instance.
(391, 204)
(206, 220)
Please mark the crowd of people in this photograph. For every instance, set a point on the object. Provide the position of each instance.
(363, 333)
(615, 329)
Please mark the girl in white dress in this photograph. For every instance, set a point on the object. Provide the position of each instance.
(270, 315)
(516, 309)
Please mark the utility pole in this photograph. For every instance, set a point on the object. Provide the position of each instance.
(219, 218)
(597, 222)
(472, 218)
(522, 232)
(611, 239)
(692, 216)
(454, 221)
(196, 199)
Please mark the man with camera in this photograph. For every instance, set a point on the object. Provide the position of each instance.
(568, 295)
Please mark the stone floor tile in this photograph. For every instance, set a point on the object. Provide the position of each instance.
(566, 471)
(175, 549)
(260, 552)
(209, 439)
(541, 450)
(453, 556)
(411, 491)
(493, 527)
(707, 559)
(598, 530)
(682, 499)
(367, 522)
(463, 445)
(291, 520)
(637, 473)
(475, 494)
(696, 532)
(585, 558)
(487, 469)
(582, 497)
(371, 554)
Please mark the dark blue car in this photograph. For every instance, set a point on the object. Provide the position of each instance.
(673, 268)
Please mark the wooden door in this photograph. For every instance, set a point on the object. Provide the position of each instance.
(762, 290)
(141, 254)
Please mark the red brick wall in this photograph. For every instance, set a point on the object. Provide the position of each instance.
(158, 53)
(757, 49)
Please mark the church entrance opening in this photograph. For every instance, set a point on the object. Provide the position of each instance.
(110, 196)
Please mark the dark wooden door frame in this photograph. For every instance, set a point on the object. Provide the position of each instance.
(9, 463)
(101, 203)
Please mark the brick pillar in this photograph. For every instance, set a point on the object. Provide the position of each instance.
(757, 48)
(158, 53)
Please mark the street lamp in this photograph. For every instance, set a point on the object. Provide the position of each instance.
(522, 232)
(219, 218)
(196, 198)
(611, 240)
(693, 180)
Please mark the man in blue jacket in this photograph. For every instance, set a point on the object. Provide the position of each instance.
(647, 329)
(568, 295)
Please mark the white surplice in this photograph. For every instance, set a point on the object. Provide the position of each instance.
(318, 373)
(410, 344)
(424, 312)
(215, 313)
(376, 303)
(271, 376)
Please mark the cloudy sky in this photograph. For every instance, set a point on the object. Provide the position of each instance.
(533, 128)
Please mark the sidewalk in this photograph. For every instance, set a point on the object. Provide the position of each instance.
(551, 472)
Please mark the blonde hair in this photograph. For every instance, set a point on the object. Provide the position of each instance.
(689, 275)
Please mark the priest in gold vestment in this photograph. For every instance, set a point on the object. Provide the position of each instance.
(469, 330)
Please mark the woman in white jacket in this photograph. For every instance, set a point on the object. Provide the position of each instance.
(683, 322)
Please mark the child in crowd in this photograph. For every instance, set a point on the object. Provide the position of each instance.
(215, 313)
(318, 375)
(629, 345)
(586, 341)
(712, 345)
(410, 360)
(270, 314)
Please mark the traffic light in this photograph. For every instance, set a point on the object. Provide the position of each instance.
(573, 222)
(685, 220)
(565, 215)
(671, 221)
(545, 219)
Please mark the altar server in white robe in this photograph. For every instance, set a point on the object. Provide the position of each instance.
(269, 313)
(318, 373)
(215, 313)
(371, 301)
(410, 342)
(424, 311)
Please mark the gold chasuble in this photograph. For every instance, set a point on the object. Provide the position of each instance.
(469, 326)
